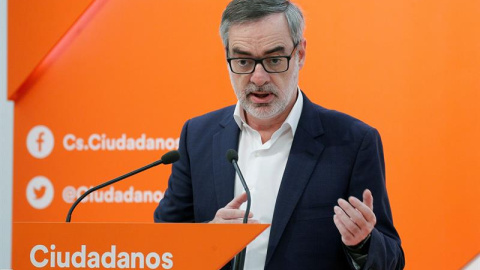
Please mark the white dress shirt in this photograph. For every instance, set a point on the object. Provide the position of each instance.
(262, 166)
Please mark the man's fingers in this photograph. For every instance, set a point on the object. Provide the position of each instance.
(353, 213)
(355, 219)
(225, 213)
(347, 221)
(363, 209)
(237, 201)
(368, 198)
(231, 212)
(347, 236)
(235, 221)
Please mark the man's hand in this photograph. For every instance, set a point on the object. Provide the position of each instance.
(231, 213)
(355, 220)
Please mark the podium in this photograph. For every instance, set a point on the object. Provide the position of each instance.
(128, 245)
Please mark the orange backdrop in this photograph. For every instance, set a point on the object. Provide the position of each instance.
(101, 70)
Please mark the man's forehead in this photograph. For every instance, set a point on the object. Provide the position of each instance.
(273, 23)
(267, 35)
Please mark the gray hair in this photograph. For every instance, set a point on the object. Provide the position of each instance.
(242, 11)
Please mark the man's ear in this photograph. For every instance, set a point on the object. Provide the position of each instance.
(302, 50)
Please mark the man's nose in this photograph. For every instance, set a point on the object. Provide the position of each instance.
(260, 76)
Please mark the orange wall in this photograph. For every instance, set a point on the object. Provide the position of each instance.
(410, 68)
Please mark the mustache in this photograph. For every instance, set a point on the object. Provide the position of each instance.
(269, 88)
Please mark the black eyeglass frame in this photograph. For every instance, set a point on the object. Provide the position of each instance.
(260, 61)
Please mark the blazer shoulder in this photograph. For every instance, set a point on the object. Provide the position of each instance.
(342, 120)
(341, 126)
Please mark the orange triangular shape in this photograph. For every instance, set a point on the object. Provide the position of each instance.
(189, 246)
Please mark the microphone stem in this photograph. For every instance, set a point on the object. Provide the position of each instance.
(247, 211)
(69, 215)
(240, 258)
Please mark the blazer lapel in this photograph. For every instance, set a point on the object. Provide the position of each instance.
(223, 172)
(304, 154)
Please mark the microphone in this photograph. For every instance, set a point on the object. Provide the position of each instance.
(169, 157)
(232, 157)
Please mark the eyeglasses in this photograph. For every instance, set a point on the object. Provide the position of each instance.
(274, 64)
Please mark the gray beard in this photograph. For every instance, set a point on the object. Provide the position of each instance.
(262, 110)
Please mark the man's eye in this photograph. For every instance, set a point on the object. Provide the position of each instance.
(274, 61)
(243, 62)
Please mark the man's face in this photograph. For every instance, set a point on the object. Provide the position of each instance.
(265, 95)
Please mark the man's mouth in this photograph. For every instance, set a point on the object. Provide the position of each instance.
(261, 97)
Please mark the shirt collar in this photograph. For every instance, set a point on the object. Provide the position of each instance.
(292, 119)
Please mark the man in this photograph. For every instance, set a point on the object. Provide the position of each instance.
(306, 166)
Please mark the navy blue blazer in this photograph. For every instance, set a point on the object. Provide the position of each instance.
(333, 156)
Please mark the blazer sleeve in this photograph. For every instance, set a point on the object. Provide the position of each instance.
(385, 251)
(177, 203)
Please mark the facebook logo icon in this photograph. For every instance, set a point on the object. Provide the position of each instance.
(40, 141)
